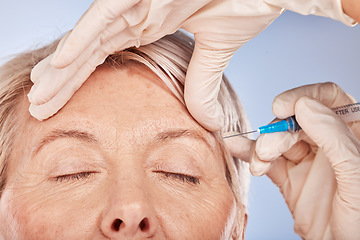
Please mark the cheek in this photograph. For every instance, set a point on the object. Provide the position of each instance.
(196, 216)
(47, 215)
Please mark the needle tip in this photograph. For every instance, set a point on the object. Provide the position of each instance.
(234, 134)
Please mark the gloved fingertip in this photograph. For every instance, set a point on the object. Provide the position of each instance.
(210, 117)
(40, 68)
(271, 146)
(307, 109)
(30, 95)
(307, 105)
(239, 147)
(35, 74)
(62, 56)
(214, 123)
(36, 96)
(35, 113)
(258, 167)
(308, 102)
(281, 107)
(60, 60)
(265, 148)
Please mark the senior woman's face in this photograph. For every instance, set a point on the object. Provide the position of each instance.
(122, 160)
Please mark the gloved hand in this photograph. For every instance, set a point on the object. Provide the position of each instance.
(317, 169)
(220, 28)
(107, 26)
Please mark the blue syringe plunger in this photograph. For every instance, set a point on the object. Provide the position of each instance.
(289, 124)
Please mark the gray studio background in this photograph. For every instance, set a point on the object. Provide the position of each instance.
(295, 50)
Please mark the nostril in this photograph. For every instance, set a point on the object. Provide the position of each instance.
(144, 225)
(116, 225)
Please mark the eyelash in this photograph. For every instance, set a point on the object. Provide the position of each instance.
(182, 177)
(86, 175)
(74, 177)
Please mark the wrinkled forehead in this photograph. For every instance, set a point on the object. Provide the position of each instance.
(122, 104)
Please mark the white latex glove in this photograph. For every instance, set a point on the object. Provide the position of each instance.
(318, 169)
(220, 27)
(328, 8)
(107, 26)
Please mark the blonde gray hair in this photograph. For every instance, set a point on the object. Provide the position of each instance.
(168, 58)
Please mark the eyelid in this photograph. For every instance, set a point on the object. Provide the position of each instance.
(73, 167)
(78, 176)
(65, 156)
(177, 158)
(71, 160)
(184, 177)
(169, 168)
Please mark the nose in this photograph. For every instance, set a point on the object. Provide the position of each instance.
(129, 215)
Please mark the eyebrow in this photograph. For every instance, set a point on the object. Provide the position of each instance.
(59, 133)
(179, 133)
(88, 137)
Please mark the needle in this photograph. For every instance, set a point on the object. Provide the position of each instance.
(239, 134)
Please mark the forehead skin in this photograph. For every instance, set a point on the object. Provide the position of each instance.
(111, 94)
(125, 109)
(130, 104)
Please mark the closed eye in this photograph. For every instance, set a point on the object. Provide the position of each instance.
(182, 177)
(74, 176)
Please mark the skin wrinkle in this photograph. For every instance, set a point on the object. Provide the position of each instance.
(163, 136)
(177, 205)
(32, 187)
(59, 133)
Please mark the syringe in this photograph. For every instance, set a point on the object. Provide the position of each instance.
(348, 113)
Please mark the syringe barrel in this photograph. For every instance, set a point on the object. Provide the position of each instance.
(348, 113)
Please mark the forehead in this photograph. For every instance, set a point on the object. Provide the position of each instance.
(129, 104)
